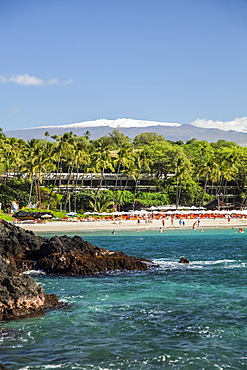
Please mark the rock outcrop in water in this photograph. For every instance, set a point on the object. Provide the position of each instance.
(20, 295)
(184, 260)
(22, 250)
(74, 256)
(2, 367)
(61, 254)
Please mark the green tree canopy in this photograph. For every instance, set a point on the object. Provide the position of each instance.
(147, 138)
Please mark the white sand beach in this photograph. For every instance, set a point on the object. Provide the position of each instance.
(80, 226)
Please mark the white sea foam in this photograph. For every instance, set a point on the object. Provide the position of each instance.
(225, 263)
(174, 265)
(34, 272)
(48, 366)
(216, 262)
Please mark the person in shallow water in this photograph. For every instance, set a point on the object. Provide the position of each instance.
(184, 260)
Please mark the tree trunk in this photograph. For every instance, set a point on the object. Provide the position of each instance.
(76, 182)
(30, 192)
(71, 168)
(204, 189)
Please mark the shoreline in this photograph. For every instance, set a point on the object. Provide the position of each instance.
(128, 225)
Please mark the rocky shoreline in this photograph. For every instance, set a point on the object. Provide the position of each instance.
(20, 295)
(21, 250)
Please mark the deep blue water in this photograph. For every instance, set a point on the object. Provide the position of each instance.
(185, 317)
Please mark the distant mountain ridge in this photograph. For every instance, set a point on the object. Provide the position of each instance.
(132, 128)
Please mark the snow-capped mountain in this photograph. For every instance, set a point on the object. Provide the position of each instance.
(132, 128)
(117, 123)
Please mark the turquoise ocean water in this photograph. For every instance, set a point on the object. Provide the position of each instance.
(176, 316)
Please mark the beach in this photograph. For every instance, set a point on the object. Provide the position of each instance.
(156, 224)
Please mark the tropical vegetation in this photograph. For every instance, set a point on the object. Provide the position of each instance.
(180, 173)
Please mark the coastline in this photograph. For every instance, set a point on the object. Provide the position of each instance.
(125, 225)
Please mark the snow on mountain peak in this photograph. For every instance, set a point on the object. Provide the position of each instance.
(121, 122)
(117, 123)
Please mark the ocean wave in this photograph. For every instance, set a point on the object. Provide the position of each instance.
(34, 272)
(58, 366)
(174, 265)
(224, 263)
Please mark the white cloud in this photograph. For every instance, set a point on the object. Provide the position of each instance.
(238, 124)
(27, 80)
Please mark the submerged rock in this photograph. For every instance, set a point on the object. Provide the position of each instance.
(184, 260)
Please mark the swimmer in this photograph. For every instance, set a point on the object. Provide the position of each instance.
(113, 232)
(240, 230)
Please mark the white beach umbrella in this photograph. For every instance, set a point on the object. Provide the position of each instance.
(46, 216)
(153, 208)
(144, 212)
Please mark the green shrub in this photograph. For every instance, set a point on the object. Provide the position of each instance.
(152, 199)
(8, 195)
(5, 217)
(82, 200)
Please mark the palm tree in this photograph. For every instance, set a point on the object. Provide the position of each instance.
(81, 159)
(75, 153)
(87, 135)
(62, 152)
(9, 148)
(229, 168)
(141, 163)
(38, 161)
(102, 159)
(69, 155)
(103, 203)
(205, 168)
(125, 159)
(182, 171)
(11, 151)
(224, 169)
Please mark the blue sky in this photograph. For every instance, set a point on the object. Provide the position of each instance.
(67, 61)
